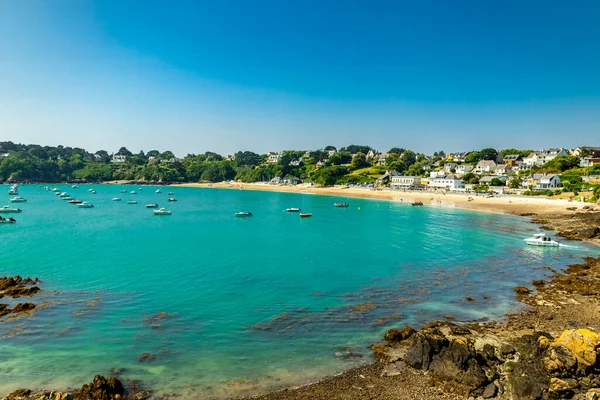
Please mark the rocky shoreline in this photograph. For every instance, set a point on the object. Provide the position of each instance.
(551, 350)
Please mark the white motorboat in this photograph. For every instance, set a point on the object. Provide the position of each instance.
(292, 209)
(90, 190)
(18, 200)
(161, 211)
(7, 220)
(158, 191)
(13, 191)
(63, 194)
(133, 192)
(132, 202)
(123, 191)
(153, 205)
(540, 239)
(93, 191)
(75, 201)
(243, 214)
(69, 198)
(85, 205)
(116, 199)
(74, 187)
(172, 199)
(9, 209)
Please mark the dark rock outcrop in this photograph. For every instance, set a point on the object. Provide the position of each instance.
(533, 366)
(100, 388)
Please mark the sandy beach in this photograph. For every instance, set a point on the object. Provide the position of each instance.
(509, 204)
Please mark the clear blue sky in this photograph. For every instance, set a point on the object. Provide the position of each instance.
(192, 76)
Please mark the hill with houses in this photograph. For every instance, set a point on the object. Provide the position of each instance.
(544, 171)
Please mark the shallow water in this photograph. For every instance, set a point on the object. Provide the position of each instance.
(248, 304)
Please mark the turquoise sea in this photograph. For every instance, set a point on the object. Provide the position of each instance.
(244, 305)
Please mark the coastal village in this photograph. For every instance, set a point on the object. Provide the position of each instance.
(548, 172)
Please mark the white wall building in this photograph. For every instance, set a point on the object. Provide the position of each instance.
(450, 182)
(400, 181)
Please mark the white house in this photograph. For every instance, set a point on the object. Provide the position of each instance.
(273, 158)
(400, 181)
(331, 152)
(118, 159)
(450, 167)
(296, 163)
(502, 169)
(437, 174)
(589, 161)
(485, 167)
(543, 156)
(382, 158)
(541, 181)
(463, 169)
(450, 182)
(371, 155)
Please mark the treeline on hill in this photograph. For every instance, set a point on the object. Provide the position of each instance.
(34, 163)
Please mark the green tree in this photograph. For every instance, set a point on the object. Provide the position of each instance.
(496, 182)
(473, 157)
(359, 161)
(515, 182)
(488, 154)
(124, 152)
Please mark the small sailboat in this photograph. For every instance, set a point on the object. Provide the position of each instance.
(9, 209)
(161, 211)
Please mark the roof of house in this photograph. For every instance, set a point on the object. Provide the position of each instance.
(543, 176)
(511, 157)
(486, 162)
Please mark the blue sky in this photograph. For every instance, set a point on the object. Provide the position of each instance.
(193, 76)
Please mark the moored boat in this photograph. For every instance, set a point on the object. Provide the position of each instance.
(75, 201)
(243, 214)
(9, 209)
(132, 202)
(417, 203)
(540, 239)
(116, 199)
(158, 191)
(13, 191)
(7, 220)
(170, 194)
(161, 211)
(123, 191)
(133, 192)
(85, 205)
(342, 205)
(153, 205)
(292, 209)
(305, 215)
(18, 200)
(172, 199)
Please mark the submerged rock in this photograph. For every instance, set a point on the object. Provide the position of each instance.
(100, 388)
